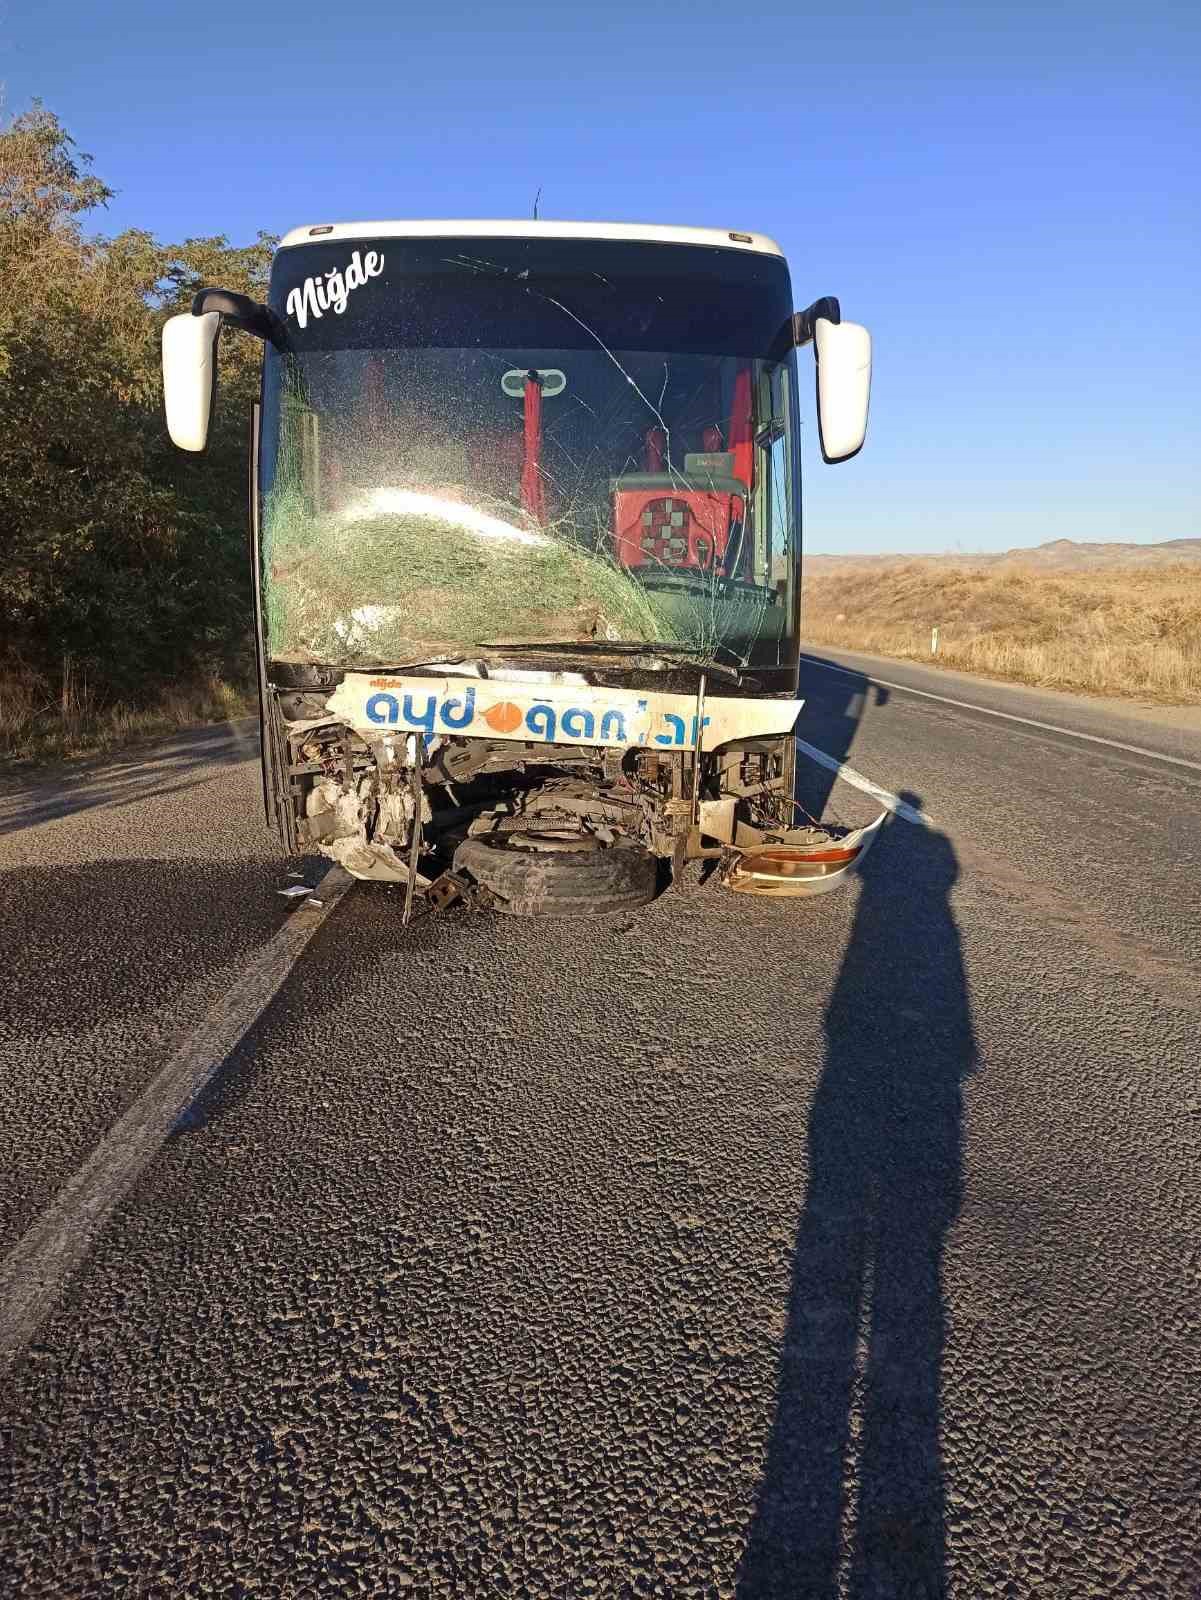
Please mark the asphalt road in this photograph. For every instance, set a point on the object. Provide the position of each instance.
(843, 1247)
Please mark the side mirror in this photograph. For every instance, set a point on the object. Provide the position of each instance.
(843, 352)
(190, 376)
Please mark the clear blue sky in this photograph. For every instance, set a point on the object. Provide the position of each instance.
(1007, 196)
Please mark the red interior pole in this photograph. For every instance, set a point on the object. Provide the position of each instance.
(532, 498)
(741, 438)
(742, 444)
(373, 395)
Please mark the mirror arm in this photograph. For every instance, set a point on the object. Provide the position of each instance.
(243, 312)
(804, 323)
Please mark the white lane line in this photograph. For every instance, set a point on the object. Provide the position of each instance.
(858, 781)
(56, 1245)
(1008, 716)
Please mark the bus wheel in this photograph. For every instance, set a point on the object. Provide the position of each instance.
(554, 874)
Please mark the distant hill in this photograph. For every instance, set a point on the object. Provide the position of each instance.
(1070, 555)
(1058, 555)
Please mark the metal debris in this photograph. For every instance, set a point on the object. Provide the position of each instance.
(793, 864)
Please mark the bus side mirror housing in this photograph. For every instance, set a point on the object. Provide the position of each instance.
(190, 376)
(843, 352)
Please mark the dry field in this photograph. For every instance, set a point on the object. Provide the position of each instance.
(1123, 630)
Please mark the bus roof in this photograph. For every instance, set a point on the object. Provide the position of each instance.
(435, 228)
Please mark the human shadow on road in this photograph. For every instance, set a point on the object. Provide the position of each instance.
(835, 701)
(853, 1481)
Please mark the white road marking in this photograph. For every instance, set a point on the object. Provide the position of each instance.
(56, 1245)
(1007, 716)
(858, 781)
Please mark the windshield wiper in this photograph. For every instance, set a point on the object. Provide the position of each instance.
(430, 661)
(625, 647)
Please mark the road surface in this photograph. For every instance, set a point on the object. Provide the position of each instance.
(743, 1249)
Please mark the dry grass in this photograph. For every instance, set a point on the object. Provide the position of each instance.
(40, 721)
(1123, 631)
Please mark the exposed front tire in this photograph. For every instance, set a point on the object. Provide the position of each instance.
(531, 875)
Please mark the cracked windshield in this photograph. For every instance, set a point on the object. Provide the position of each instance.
(480, 442)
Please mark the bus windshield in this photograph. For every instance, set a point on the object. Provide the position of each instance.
(478, 442)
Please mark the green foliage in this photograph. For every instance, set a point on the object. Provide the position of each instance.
(421, 582)
(120, 555)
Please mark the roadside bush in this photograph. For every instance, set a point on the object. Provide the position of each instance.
(124, 569)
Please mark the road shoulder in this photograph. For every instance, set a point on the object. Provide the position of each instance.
(1175, 730)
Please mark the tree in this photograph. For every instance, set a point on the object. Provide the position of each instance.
(118, 553)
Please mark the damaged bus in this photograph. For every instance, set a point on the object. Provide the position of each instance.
(525, 552)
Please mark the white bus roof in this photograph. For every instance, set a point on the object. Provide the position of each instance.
(434, 228)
